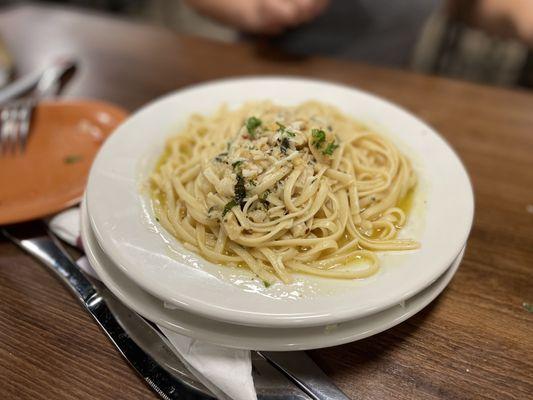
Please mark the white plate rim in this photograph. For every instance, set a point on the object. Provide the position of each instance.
(221, 311)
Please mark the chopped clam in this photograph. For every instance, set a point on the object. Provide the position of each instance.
(226, 186)
(299, 230)
(257, 216)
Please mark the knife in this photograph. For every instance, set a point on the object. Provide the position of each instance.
(138, 340)
(33, 238)
(304, 373)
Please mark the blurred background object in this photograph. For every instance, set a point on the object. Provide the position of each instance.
(5, 64)
(488, 41)
(457, 43)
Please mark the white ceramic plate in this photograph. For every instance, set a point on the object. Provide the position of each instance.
(126, 229)
(252, 338)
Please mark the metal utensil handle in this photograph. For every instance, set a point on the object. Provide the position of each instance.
(50, 80)
(45, 250)
(50, 254)
(25, 84)
(304, 373)
(20, 86)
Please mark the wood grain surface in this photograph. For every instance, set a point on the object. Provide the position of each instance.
(474, 342)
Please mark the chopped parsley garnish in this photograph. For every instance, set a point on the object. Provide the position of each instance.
(282, 129)
(240, 190)
(285, 144)
(319, 137)
(72, 159)
(229, 205)
(527, 306)
(267, 284)
(330, 148)
(263, 198)
(221, 157)
(237, 164)
(240, 195)
(252, 124)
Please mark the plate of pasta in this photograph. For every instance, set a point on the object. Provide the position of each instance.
(279, 202)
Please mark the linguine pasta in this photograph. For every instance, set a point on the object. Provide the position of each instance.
(284, 189)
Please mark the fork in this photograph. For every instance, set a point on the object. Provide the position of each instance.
(15, 121)
(16, 115)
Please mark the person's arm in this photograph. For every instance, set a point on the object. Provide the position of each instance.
(510, 18)
(260, 16)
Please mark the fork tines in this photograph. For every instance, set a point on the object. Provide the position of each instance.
(15, 121)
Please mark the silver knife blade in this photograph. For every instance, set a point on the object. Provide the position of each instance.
(34, 239)
(303, 372)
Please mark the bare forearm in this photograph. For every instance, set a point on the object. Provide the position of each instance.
(513, 18)
(229, 12)
(260, 16)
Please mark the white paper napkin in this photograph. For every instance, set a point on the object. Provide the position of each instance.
(226, 372)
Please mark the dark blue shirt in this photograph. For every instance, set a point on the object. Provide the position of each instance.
(375, 31)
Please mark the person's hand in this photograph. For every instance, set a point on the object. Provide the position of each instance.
(260, 16)
(505, 18)
(521, 14)
(275, 16)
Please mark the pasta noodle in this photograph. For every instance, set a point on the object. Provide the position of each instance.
(284, 189)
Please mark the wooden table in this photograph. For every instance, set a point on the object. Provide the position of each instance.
(475, 341)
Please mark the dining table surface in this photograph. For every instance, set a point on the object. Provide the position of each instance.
(475, 341)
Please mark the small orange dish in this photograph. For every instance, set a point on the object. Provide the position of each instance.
(52, 173)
